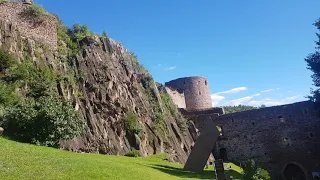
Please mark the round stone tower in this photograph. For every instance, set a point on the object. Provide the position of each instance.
(196, 91)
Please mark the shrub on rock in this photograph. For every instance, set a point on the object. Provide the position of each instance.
(44, 122)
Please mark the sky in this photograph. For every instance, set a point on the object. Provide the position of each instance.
(251, 51)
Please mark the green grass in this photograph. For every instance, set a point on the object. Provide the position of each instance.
(25, 161)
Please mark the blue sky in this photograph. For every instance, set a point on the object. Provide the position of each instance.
(251, 51)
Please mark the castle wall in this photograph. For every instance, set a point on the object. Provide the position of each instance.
(177, 98)
(42, 29)
(196, 91)
(273, 136)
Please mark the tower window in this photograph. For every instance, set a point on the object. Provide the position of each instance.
(199, 93)
(206, 83)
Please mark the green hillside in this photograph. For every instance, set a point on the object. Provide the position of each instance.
(24, 161)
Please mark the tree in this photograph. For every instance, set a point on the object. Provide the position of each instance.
(239, 108)
(313, 64)
(252, 172)
(45, 121)
(104, 34)
(263, 106)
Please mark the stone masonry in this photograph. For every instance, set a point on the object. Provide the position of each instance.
(196, 92)
(275, 137)
(43, 31)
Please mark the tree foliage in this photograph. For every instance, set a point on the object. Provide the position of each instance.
(252, 172)
(45, 121)
(313, 64)
(132, 123)
(30, 109)
(239, 108)
(6, 60)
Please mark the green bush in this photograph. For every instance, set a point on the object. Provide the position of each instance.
(40, 81)
(252, 172)
(3, 1)
(80, 32)
(132, 123)
(104, 34)
(133, 153)
(181, 121)
(36, 11)
(160, 123)
(45, 121)
(6, 60)
(7, 94)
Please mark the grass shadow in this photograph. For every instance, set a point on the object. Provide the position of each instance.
(179, 172)
(206, 174)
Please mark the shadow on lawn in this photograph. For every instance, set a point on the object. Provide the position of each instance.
(187, 174)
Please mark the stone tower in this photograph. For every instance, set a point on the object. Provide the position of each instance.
(196, 91)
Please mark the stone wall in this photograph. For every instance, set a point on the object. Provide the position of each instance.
(41, 29)
(211, 112)
(196, 91)
(274, 137)
(177, 98)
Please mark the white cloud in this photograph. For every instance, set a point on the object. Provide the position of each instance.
(239, 101)
(216, 99)
(170, 68)
(269, 90)
(271, 102)
(234, 90)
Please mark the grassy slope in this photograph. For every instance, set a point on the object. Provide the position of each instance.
(24, 161)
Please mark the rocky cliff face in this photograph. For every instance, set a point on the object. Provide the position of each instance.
(109, 84)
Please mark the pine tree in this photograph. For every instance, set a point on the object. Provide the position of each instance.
(313, 64)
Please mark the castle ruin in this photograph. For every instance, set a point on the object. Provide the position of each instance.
(190, 93)
(284, 140)
(42, 29)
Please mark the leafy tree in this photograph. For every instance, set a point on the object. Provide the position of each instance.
(104, 34)
(252, 172)
(45, 121)
(313, 64)
(80, 32)
(263, 106)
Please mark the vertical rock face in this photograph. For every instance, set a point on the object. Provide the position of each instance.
(109, 84)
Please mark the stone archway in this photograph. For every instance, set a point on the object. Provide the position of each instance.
(294, 171)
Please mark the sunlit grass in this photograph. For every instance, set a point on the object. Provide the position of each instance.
(24, 161)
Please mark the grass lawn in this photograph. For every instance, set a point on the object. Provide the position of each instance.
(24, 161)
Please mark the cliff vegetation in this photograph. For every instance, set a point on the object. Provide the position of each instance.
(83, 92)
